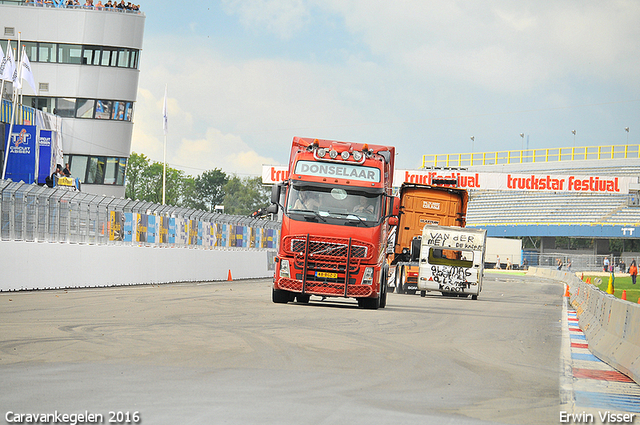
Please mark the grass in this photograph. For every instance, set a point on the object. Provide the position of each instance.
(619, 284)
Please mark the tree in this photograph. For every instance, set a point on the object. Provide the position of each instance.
(209, 188)
(135, 167)
(244, 196)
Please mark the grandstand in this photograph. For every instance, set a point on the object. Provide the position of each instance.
(549, 214)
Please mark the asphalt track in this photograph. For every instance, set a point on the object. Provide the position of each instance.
(223, 353)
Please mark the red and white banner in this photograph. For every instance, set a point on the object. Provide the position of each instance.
(535, 182)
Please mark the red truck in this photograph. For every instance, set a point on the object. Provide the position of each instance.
(422, 205)
(337, 208)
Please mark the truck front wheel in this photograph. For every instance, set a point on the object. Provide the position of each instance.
(279, 296)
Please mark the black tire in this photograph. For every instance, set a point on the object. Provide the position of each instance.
(399, 289)
(369, 303)
(303, 298)
(400, 281)
(474, 297)
(383, 288)
(423, 293)
(279, 296)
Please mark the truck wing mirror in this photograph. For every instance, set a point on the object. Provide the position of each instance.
(393, 221)
(272, 209)
(396, 206)
(275, 194)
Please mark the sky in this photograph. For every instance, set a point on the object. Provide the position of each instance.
(244, 77)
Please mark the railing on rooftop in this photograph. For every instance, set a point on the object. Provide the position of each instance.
(458, 160)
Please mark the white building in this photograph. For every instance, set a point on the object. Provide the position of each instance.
(86, 65)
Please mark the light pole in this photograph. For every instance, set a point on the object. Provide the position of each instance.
(522, 144)
(574, 138)
(473, 138)
(627, 130)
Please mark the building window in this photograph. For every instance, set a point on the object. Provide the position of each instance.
(85, 108)
(103, 109)
(69, 53)
(79, 54)
(47, 52)
(65, 107)
(91, 55)
(97, 169)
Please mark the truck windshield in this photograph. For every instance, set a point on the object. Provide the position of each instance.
(336, 205)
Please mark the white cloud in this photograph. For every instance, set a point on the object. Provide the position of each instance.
(280, 17)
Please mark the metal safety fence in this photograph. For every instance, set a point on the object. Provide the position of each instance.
(35, 213)
(579, 262)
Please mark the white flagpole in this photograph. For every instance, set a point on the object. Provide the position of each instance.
(164, 159)
(13, 114)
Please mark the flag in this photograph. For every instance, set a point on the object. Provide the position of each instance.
(3, 62)
(164, 112)
(7, 65)
(26, 71)
(17, 84)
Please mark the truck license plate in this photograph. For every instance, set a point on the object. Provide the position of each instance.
(327, 274)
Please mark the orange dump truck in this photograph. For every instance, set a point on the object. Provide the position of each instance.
(439, 204)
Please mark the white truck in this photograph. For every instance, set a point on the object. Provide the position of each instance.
(452, 261)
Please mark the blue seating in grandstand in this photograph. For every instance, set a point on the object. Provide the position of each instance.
(526, 208)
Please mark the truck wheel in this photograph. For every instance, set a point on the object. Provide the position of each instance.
(369, 303)
(303, 298)
(383, 289)
(279, 296)
(423, 293)
(400, 278)
(474, 297)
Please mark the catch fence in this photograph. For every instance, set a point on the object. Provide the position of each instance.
(35, 213)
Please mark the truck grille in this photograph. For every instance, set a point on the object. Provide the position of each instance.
(335, 256)
(335, 248)
(325, 288)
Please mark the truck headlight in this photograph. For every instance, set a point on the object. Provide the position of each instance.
(367, 279)
(284, 268)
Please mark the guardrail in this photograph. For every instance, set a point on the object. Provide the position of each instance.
(611, 325)
(35, 213)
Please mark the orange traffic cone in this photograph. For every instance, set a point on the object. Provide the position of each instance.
(588, 280)
(566, 292)
(624, 294)
(229, 276)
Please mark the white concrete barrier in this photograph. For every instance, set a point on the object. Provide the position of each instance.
(33, 265)
(611, 325)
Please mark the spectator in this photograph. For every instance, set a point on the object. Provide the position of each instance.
(108, 5)
(498, 262)
(559, 263)
(50, 181)
(633, 271)
(525, 264)
(99, 5)
(569, 264)
(606, 264)
(67, 170)
(509, 264)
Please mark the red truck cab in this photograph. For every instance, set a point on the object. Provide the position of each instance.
(336, 206)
